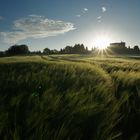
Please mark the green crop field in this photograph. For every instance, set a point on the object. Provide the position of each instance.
(69, 97)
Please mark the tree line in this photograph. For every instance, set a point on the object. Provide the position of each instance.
(24, 50)
(76, 49)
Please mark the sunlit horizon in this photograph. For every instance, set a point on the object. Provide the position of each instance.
(102, 42)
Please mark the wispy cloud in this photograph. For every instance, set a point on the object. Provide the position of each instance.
(99, 18)
(104, 9)
(35, 26)
(1, 17)
(85, 10)
(78, 15)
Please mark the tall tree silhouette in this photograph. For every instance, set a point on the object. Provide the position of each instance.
(17, 50)
(136, 49)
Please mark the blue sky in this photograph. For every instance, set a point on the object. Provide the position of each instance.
(57, 23)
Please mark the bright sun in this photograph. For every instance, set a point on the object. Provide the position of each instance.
(101, 42)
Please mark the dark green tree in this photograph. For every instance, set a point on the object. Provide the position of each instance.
(17, 50)
(47, 51)
(136, 49)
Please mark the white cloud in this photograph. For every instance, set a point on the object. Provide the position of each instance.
(85, 10)
(13, 37)
(78, 15)
(104, 9)
(35, 26)
(99, 18)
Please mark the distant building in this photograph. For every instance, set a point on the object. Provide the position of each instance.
(118, 44)
(118, 47)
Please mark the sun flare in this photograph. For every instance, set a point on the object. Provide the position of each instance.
(101, 42)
